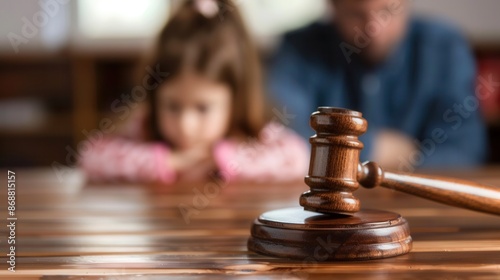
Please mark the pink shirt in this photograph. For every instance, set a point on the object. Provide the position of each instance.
(278, 154)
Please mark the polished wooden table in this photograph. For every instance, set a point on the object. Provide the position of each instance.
(68, 231)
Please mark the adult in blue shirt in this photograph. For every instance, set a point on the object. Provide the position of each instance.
(413, 80)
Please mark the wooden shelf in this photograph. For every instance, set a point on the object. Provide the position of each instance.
(74, 89)
(56, 125)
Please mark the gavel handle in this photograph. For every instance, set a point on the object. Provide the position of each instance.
(453, 192)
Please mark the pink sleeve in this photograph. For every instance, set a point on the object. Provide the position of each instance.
(120, 159)
(277, 155)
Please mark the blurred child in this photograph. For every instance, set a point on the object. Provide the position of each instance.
(207, 115)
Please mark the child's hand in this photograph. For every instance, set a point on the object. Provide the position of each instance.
(192, 165)
(199, 172)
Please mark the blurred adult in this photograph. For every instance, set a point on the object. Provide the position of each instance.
(412, 78)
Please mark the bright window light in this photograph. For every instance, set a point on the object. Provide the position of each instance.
(272, 17)
(121, 18)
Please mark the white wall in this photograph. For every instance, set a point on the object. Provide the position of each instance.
(31, 27)
(479, 19)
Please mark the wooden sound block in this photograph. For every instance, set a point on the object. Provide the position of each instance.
(299, 234)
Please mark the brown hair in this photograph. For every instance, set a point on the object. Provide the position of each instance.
(218, 47)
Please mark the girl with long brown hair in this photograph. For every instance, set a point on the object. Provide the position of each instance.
(209, 112)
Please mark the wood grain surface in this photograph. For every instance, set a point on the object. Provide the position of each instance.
(116, 231)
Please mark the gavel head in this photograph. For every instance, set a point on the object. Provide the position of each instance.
(334, 161)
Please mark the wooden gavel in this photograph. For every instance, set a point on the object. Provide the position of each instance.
(335, 171)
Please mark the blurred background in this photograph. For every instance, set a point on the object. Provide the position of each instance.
(64, 63)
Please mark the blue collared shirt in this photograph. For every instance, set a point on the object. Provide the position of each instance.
(424, 89)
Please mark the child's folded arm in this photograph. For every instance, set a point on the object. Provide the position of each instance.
(278, 155)
(113, 159)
